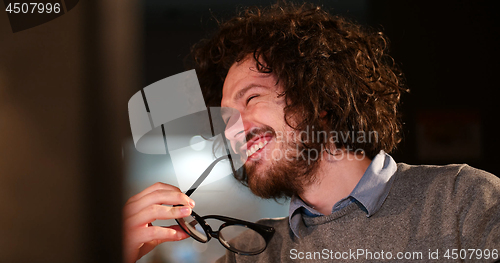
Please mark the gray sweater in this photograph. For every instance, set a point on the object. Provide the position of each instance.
(432, 214)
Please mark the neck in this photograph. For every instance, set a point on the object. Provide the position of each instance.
(336, 178)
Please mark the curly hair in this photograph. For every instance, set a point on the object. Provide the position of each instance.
(336, 75)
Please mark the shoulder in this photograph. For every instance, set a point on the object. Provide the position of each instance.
(477, 187)
(478, 177)
(455, 197)
(432, 170)
(453, 182)
(455, 173)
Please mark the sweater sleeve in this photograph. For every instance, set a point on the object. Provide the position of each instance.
(478, 198)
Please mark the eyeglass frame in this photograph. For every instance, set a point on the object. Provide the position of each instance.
(266, 232)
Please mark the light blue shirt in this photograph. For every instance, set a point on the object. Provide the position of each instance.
(369, 193)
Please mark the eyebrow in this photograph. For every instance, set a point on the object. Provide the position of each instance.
(242, 92)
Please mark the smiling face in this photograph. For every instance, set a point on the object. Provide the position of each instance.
(256, 97)
(267, 144)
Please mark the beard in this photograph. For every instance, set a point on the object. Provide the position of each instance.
(284, 177)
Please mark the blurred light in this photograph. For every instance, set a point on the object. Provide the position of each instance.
(197, 143)
(199, 247)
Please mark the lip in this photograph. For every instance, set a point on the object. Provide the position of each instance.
(255, 140)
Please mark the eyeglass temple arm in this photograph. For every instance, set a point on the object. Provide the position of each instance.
(204, 175)
(209, 169)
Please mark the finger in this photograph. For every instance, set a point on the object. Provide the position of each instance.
(142, 240)
(148, 246)
(152, 188)
(154, 212)
(159, 234)
(158, 197)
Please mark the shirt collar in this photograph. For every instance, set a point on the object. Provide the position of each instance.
(371, 191)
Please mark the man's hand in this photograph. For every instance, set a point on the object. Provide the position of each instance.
(140, 236)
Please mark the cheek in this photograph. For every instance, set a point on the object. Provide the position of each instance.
(270, 113)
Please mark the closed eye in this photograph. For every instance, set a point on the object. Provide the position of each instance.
(251, 97)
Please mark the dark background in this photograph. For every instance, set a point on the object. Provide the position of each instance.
(446, 49)
(65, 85)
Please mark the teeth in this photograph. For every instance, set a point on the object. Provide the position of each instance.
(255, 147)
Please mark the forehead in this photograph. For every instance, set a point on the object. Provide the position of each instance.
(243, 76)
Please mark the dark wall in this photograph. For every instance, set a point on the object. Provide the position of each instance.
(447, 50)
(64, 88)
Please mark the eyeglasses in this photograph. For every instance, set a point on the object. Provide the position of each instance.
(255, 240)
(256, 236)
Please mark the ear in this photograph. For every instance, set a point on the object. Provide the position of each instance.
(322, 114)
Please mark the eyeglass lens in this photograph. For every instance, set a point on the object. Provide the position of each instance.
(253, 242)
(192, 226)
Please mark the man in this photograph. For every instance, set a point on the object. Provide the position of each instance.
(318, 97)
